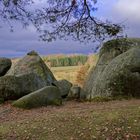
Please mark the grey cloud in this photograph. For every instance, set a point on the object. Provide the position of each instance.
(21, 41)
(125, 12)
(21, 47)
(128, 11)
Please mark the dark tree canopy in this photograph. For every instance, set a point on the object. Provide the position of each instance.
(60, 19)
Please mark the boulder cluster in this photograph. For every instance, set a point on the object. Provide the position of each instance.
(30, 83)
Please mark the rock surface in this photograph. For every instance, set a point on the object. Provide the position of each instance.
(74, 92)
(113, 61)
(5, 65)
(14, 87)
(32, 63)
(49, 95)
(27, 75)
(64, 87)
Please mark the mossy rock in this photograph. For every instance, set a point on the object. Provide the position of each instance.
(116, 59)
(64, 86)
(74, 92)
(49, 95)
(27, 75)
(5, 65)
(14, 87)
(32, 63)
(121, 77)
(119, 46)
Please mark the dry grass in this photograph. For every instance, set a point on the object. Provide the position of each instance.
(75, 74)
(69, 73)
(82, 74)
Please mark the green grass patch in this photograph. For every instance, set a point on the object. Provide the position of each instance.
(101, 99)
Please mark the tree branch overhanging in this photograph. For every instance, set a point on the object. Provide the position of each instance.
(60, 19)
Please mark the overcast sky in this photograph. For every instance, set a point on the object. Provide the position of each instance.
(22, 41)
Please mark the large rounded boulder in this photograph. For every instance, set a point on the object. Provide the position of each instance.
(5, 65)
(114, 72)
(49, 95)
(25, 76)
(121, 77)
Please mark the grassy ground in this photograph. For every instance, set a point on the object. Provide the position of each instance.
(69, 73)
(114, 120)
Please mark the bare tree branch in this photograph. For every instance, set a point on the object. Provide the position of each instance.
(60, 19)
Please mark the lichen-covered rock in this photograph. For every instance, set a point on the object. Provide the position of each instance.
(64, 87)
(14, 87)
(5, 65)
(49, 95)
(32, 63)
(94, 85)
(74, 92)
(121, 77)
(27, 75)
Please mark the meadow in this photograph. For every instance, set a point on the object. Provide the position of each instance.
(68, 72)
(71, 73)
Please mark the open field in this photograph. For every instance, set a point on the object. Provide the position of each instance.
(69, 73)
(114, 120)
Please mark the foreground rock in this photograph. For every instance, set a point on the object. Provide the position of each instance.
(49, 95)
(14, 87)
(117, 71)
(27, 75)
(64, 87)
(5, 65)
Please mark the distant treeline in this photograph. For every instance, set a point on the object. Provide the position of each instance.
(63, 60)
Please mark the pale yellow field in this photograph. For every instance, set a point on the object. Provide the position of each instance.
(69, 73)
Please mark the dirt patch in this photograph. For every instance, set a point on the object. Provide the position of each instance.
(72, 121)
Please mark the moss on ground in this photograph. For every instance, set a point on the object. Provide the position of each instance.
(101, 99)
(1, 100)
(110, 98)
